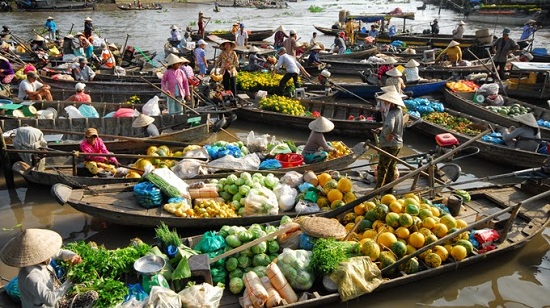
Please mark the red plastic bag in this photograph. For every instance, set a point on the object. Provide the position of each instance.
(485, 237)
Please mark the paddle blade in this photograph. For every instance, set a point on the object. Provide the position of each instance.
(360, 148)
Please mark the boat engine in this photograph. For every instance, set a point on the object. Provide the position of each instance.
(445, 143)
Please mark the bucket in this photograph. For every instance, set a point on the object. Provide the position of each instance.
(483, 33)
(45, 114)
(16, 113)
(29, 111)
(290, 160)
(485, 40)
(454, 203)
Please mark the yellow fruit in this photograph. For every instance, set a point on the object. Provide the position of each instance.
(349, 226)
(425, 231)
(412, 201)
(430, 239)
(392, 219)
(423, 213)
(152, 149)
(363, 240)
(402, 233)
(344, 185)
(359, 218)
(405, 220)
(371, 249)
(330, 185)
(424, 254)
(133, 175)
(349, 217)
(410, 249)
(435, 211)
(448, 220)
(417, 239)
(359, 209)
(461, 224)
(377, 224)
(428, 222)
(386, 239)
(334, 195)
(440, 230)
(459, 252)
(323, 202)
(336, 204)
(441, 251)
(369, 205)
(433, 260)
(349, 196)
(370, 234)
(388, 199)
(396, 207)
(323, 178)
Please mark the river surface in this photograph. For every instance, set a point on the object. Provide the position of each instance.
(517, 279)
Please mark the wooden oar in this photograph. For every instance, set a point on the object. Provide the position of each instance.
(135, 139)
(170, 95)
(447, 237)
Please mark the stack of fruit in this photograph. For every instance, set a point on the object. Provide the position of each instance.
(333, 192)
(392, 228)
(458, 124)
(341, 150)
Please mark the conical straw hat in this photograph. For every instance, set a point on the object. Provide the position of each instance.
(392, 97)
(394, 72)
(143, 120)
(453, 44)
(280, 28)
(253, 49)
(527, 119)
(30, 247)
(321, 125)
(412, 63)
(390, 60)
(387, 89)
(173, 59)
(316, 47)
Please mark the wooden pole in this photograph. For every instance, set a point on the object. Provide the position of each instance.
(8, 173)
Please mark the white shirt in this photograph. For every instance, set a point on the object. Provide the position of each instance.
(240, 38)
(26, 86)
(289, 63)
(86, 73)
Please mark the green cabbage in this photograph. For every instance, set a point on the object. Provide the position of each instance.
(236, 285)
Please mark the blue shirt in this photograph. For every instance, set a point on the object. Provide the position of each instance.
(313, 58)
(373, 33)
(528, 30)
(199, 55)
(51, 25)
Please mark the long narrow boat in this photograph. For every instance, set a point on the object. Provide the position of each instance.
(361, 54)
(366, 90)
(129, 7)
(529, 80)
(55, 6)
(122, 137)
(500, 154)
(512, 17)
(463, 102)
(103, 86)
(117, 203)
(338, 113)
(253, 35)
(533, 218)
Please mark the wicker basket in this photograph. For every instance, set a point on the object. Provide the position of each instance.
(321, 227)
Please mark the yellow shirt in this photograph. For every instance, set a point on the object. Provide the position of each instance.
(453, 53)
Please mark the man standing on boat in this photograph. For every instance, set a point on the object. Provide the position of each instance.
(279, 38)
(529, 29)
(241, 37)
(88, 28)
(293, 68)
(350, 31)
(503, 47)
(51, 26)
(290, 44)
(434, 26)
(201, 24)
(458, 32)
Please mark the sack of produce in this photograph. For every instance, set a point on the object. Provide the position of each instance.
(210, 241)
(280, 284)
(168, 182)
(189, 168)
(256, 143)
(294, 265)
(201, 295)
(286, 196)
(255, 289)
(163, 297)
(291, 238)
(148, 195)
(261, 201)
(292, 178)
(151, 108)
(355, 277)
(274, 298)
(270, 164)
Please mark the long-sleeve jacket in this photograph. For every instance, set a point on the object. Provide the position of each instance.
(315, 142)
(173, 79)
(393, 125)
(38, 285)
(99, 148)
(228, 61)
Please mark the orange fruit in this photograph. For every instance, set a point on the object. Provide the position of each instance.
(349, 226)
(461, 224)
(369, 233)
(386, 239)
(396, 207)
(428, 223)
(440, 230)
(334, 194)
(344, 185)
(323, 178)
(417, 239)
(359, 209)
(371, 249)
(369, 205)
(435, 211)
(430, 239)
(402, 233)
(425, 231)
(448, 220)
(441, 251)
(433, 260)
(410, 249)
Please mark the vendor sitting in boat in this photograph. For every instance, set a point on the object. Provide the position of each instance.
(255, 62)
(316, 148)
(145, 124)
(452, 53)
(395, 79)
(93, 144)
(524, 137)
(313, 59)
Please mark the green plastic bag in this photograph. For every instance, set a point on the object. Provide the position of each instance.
(210, 241)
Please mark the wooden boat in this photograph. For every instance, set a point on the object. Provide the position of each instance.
(512, 17)
(361, 54)
(529, 80)
(366, 90)
(463, 102)
(253, 35)
(117, 133)
(55, 6)
(271, 5)
(129, 7)
(338, 113)
(103, 86)
(532, 218)
(64, 175)
(180, 52)
(116, 202)
(108, 97)
(500, 154)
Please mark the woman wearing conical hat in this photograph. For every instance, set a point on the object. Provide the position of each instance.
(174, 82)
(395, 79)
(391, 137)
(316, 148)
(145, 124)
(255, 61)
(411, 71)
(31, 251)
(522, 137)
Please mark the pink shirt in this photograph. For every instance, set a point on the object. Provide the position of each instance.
(99, 147)
(80, 97)
(173, 79)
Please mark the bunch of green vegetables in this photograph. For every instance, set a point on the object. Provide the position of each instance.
(102, 270)
(328, 253)
(167, 237)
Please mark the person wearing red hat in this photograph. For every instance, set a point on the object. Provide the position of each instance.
(340, 43)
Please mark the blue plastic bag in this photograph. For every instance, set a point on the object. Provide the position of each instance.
(270, 164)
(88, 111)
(12, 289)
(135, 291)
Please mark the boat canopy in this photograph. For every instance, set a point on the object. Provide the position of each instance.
(532, 66)
(369, 18)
